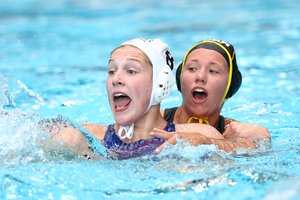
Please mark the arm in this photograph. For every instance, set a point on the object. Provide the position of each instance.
(251, 131)
(72, 137)
(229, 143)
(64, 139)
(97, 130)
(196, 129)
(187, 132)
(241, 135)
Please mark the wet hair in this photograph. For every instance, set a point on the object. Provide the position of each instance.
(227, 51)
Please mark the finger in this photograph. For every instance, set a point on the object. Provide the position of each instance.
(162, 133)
(230, 130)
(160, 148)
(227, 126)
(158, 130)
(172, 140)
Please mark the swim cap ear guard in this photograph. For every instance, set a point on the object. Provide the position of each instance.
(162, 77)
(165, 80)
(227, 51)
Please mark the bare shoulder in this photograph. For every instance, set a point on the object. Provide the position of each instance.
(206, 130)
(97, 130)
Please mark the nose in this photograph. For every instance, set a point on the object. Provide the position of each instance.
(117, 78)
(201, 76)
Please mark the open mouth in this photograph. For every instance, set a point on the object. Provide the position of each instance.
(121, 101)
(199, 95)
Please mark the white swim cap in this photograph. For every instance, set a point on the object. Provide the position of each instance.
(162, 64)
(162, 78)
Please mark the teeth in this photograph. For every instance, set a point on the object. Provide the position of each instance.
(118, 95)
(199, 90)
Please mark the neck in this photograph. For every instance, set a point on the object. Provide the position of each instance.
(143, 126)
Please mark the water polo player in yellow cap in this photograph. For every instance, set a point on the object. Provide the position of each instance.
(207, 77)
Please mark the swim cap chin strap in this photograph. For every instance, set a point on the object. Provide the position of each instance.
(205, 119)
(201, 120)
(128, 131)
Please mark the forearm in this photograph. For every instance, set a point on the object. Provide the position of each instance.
(64, 136)
(231, 145)
(243, 130)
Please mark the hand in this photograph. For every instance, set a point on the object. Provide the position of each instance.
(238, 129)
(231, 130)
(171, 138)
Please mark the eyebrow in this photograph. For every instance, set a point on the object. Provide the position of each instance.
(130, 59)
(211, 62)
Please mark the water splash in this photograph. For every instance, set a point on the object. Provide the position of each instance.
(19, 132)
(22, 137)
(31, 93)
(10, 97)
(4, 99)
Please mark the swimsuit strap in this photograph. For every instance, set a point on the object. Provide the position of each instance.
(221, 124)
(169, 114)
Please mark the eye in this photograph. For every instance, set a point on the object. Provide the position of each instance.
(191, 68)
(214, 71)
(131, 72)
(111, 72)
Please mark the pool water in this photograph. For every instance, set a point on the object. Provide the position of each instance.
(53, 58)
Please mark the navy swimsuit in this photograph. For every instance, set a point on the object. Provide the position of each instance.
(139, 148)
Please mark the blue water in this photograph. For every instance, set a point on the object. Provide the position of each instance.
(53, 58)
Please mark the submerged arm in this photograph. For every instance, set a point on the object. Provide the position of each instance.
(72, 138)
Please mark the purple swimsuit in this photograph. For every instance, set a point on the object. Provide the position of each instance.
(139, 148)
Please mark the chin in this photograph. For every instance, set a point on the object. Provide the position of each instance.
(123, 123)
(123, 120)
